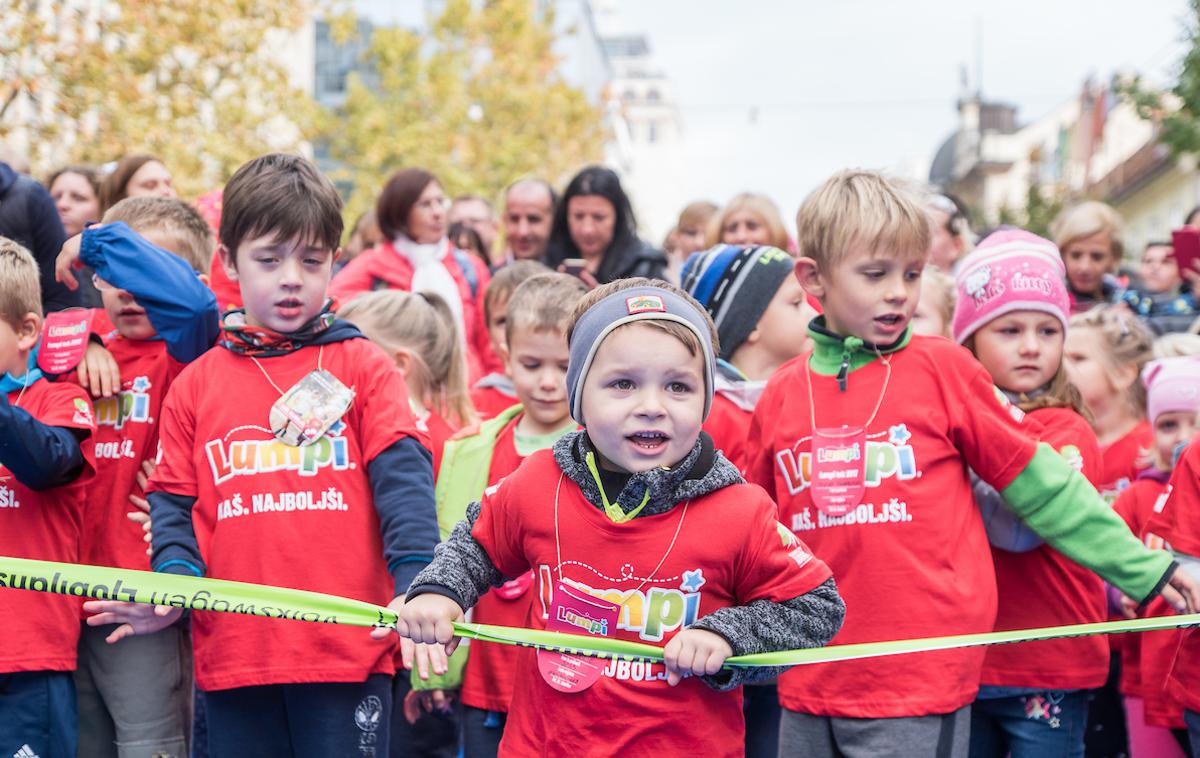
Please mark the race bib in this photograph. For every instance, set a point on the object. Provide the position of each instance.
(838, 469)
(310, 408)
(574, 612)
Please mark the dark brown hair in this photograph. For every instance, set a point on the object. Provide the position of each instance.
(399, 196)
(115, 186)
(283, 195)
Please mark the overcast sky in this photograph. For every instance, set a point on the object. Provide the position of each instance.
(871, 84)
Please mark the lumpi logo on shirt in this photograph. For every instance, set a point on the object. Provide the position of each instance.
(884, 459)
(651, 612)
(242, 457)
(132, 404)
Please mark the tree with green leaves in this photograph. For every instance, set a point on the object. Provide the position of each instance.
(202, 85)
(476, 99)
(1177, 111)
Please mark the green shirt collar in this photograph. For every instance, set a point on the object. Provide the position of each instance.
(835, 355)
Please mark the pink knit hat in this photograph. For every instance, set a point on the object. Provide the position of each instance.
(1011, 270)
(1172, 384)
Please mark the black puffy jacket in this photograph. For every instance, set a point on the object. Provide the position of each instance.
(28, 216)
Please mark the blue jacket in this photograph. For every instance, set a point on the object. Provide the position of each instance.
(28, 216)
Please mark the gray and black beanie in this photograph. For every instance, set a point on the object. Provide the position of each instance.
(736, 285)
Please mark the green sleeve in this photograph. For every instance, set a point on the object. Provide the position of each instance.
(452, 679)
(1059, 503)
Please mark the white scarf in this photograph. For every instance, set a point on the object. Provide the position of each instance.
(431, 275)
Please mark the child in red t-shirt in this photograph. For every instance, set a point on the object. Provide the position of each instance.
(417, 330)
(1152, 713)
(1105, 352)
(45, 459)
(495, 393)
(534, 349)
(635, 523)
(762, 316)
(1176, 519)
(1033, 696)
(236, 496)
(865, 445)
(164, 317)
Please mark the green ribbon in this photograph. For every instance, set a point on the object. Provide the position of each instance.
(202, 594)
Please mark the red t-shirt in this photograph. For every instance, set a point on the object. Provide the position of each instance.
(126, 435)
(1176, 519)
(383, 267)
(729, 551)
(269, 513)
(1042, 587)
(438, 430)
(728, 426)
(1123, 460)
(488, 681)
(1146, 657)
(41, 631)
(229, 294)
(912, 560)
(490, 402)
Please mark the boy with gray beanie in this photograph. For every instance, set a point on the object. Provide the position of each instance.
(638, 526)
(761, 313)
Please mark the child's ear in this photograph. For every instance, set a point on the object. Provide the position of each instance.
(28, 330)
(228, 262)
(403, 359)
(809, 277)
(505, 357)
(754, 336)
(336, 254)
(1124, 376)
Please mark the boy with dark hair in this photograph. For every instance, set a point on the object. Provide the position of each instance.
(161, 316)
(45, 459)
(290, 458)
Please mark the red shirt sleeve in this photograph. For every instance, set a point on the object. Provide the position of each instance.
(67, 406)
(176, 472)
(775, 564)
(498, 531)
(993, 435)
(352, 280)
(1177, 513)
(381, 411)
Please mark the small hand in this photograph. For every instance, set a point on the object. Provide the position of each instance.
(67, 261)
(430, 619)
(1182, 592)
(134, 618)
(427, 700)
(695, 652)
(98, 372)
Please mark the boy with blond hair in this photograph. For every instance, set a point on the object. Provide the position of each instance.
(635, 505)
(151, 258)
(45, 460)
(865, 443)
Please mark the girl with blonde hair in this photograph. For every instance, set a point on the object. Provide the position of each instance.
(749, 219)
(418, 330)
(1090, 238)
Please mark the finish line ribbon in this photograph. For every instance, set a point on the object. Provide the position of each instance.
(220, 595)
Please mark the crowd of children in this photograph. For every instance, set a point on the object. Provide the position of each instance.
(825, 440)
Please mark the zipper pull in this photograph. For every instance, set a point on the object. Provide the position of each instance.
(849, 345)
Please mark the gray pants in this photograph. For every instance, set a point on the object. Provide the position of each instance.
(135, 695)
(940, 736)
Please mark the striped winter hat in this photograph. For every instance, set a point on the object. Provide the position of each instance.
(736, 285)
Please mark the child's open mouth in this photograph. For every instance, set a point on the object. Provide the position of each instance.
(890, 322)
(289, 308)
(650, 442)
